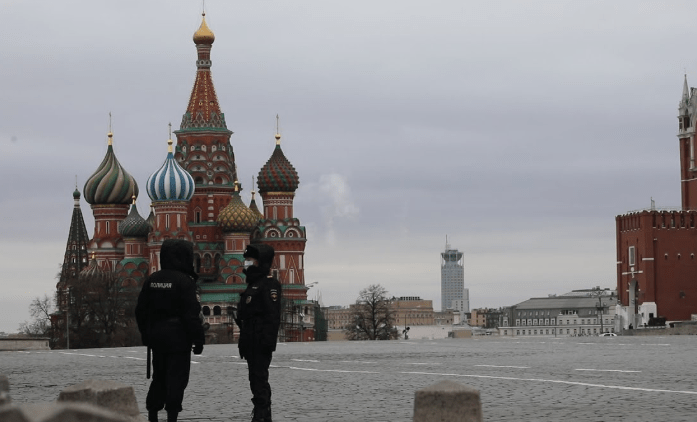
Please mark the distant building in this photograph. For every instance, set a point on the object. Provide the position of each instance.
(580, 312)
(412, 310)
(338, 316)
(447, 317)
(485, 318)
(453, 294)
(656, 265)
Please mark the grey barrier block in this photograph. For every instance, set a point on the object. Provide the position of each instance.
(447, 401)
(59, 412)
(4, 390)
(115, 396)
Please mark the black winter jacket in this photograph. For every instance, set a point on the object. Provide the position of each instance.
(168, 310)
(259, 315)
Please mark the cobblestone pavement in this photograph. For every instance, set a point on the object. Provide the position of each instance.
(533, 379)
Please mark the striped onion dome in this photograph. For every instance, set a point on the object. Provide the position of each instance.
(278, 174)
(92, 273)
(110, 184)
(236, 217)
(171, 182)
(134, 225)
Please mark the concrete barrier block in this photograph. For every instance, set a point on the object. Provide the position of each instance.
(59, 412)
(447, 401)
(115, 396)
(4, 390)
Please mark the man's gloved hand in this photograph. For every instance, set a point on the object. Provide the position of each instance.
(198, 349)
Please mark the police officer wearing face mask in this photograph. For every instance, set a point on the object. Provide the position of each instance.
(259, 317)
(167, 314)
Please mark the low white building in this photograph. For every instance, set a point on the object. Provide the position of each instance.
(578, 313)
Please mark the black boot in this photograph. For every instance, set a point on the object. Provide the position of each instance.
(172, 416)
(152, 415)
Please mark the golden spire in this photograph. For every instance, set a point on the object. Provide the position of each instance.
(237, 186)
(134, 199)
(204, 35)
(169, 141)
(253, 192)
(110, 135)
(278, 133)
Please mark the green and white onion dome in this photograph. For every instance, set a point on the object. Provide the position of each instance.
(171, 182)
(110, 184)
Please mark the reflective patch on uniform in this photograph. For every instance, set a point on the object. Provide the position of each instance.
(249, 299)
(161, 285)
(274, 295)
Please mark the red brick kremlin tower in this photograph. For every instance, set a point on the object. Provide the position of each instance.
(656, 247)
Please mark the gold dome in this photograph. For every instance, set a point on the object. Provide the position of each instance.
(204, 35)
(236, 216)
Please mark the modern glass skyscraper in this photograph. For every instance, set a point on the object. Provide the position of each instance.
(453, 294)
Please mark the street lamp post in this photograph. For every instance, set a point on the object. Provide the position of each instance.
(599, 293)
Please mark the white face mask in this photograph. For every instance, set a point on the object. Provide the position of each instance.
(248, 264)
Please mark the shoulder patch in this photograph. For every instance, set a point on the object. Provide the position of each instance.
(161, 285)
(274, 294)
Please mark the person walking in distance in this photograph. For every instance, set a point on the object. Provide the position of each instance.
(167, 314)
(259, 317)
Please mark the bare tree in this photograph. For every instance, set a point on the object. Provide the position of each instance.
(372, 317)
(40, 310)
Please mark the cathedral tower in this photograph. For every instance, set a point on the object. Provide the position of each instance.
(204, 150)
(109, 191)
(170, 188)
(279, 229)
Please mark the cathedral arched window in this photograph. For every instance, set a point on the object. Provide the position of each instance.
(197, 215)
(217, 310)
(207, 261)
(203, 147)
(206, 311)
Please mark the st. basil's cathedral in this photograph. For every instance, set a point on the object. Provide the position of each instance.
(195, 196)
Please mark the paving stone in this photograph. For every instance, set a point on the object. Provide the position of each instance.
(58, 412)
(447, 401)
(113, 395)
(4, 390)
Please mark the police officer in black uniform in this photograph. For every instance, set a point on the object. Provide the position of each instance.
(167, 314)
(259, 317)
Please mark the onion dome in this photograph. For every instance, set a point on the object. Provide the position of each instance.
(253, 206)
(134, 225)
(76, 194)
(204, 35)
(278, 174)
(110, 184)
(92, 273)
(151, 217)
(171, 182)
(236, 217)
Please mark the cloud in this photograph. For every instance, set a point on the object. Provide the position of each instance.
(332, 195)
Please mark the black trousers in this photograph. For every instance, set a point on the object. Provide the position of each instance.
(170, 377)
(258, 365)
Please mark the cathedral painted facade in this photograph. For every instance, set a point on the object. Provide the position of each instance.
(195, 195)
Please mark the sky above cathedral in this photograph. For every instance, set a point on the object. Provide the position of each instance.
(517, 129)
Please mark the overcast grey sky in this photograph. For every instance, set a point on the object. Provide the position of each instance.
(518, 129)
